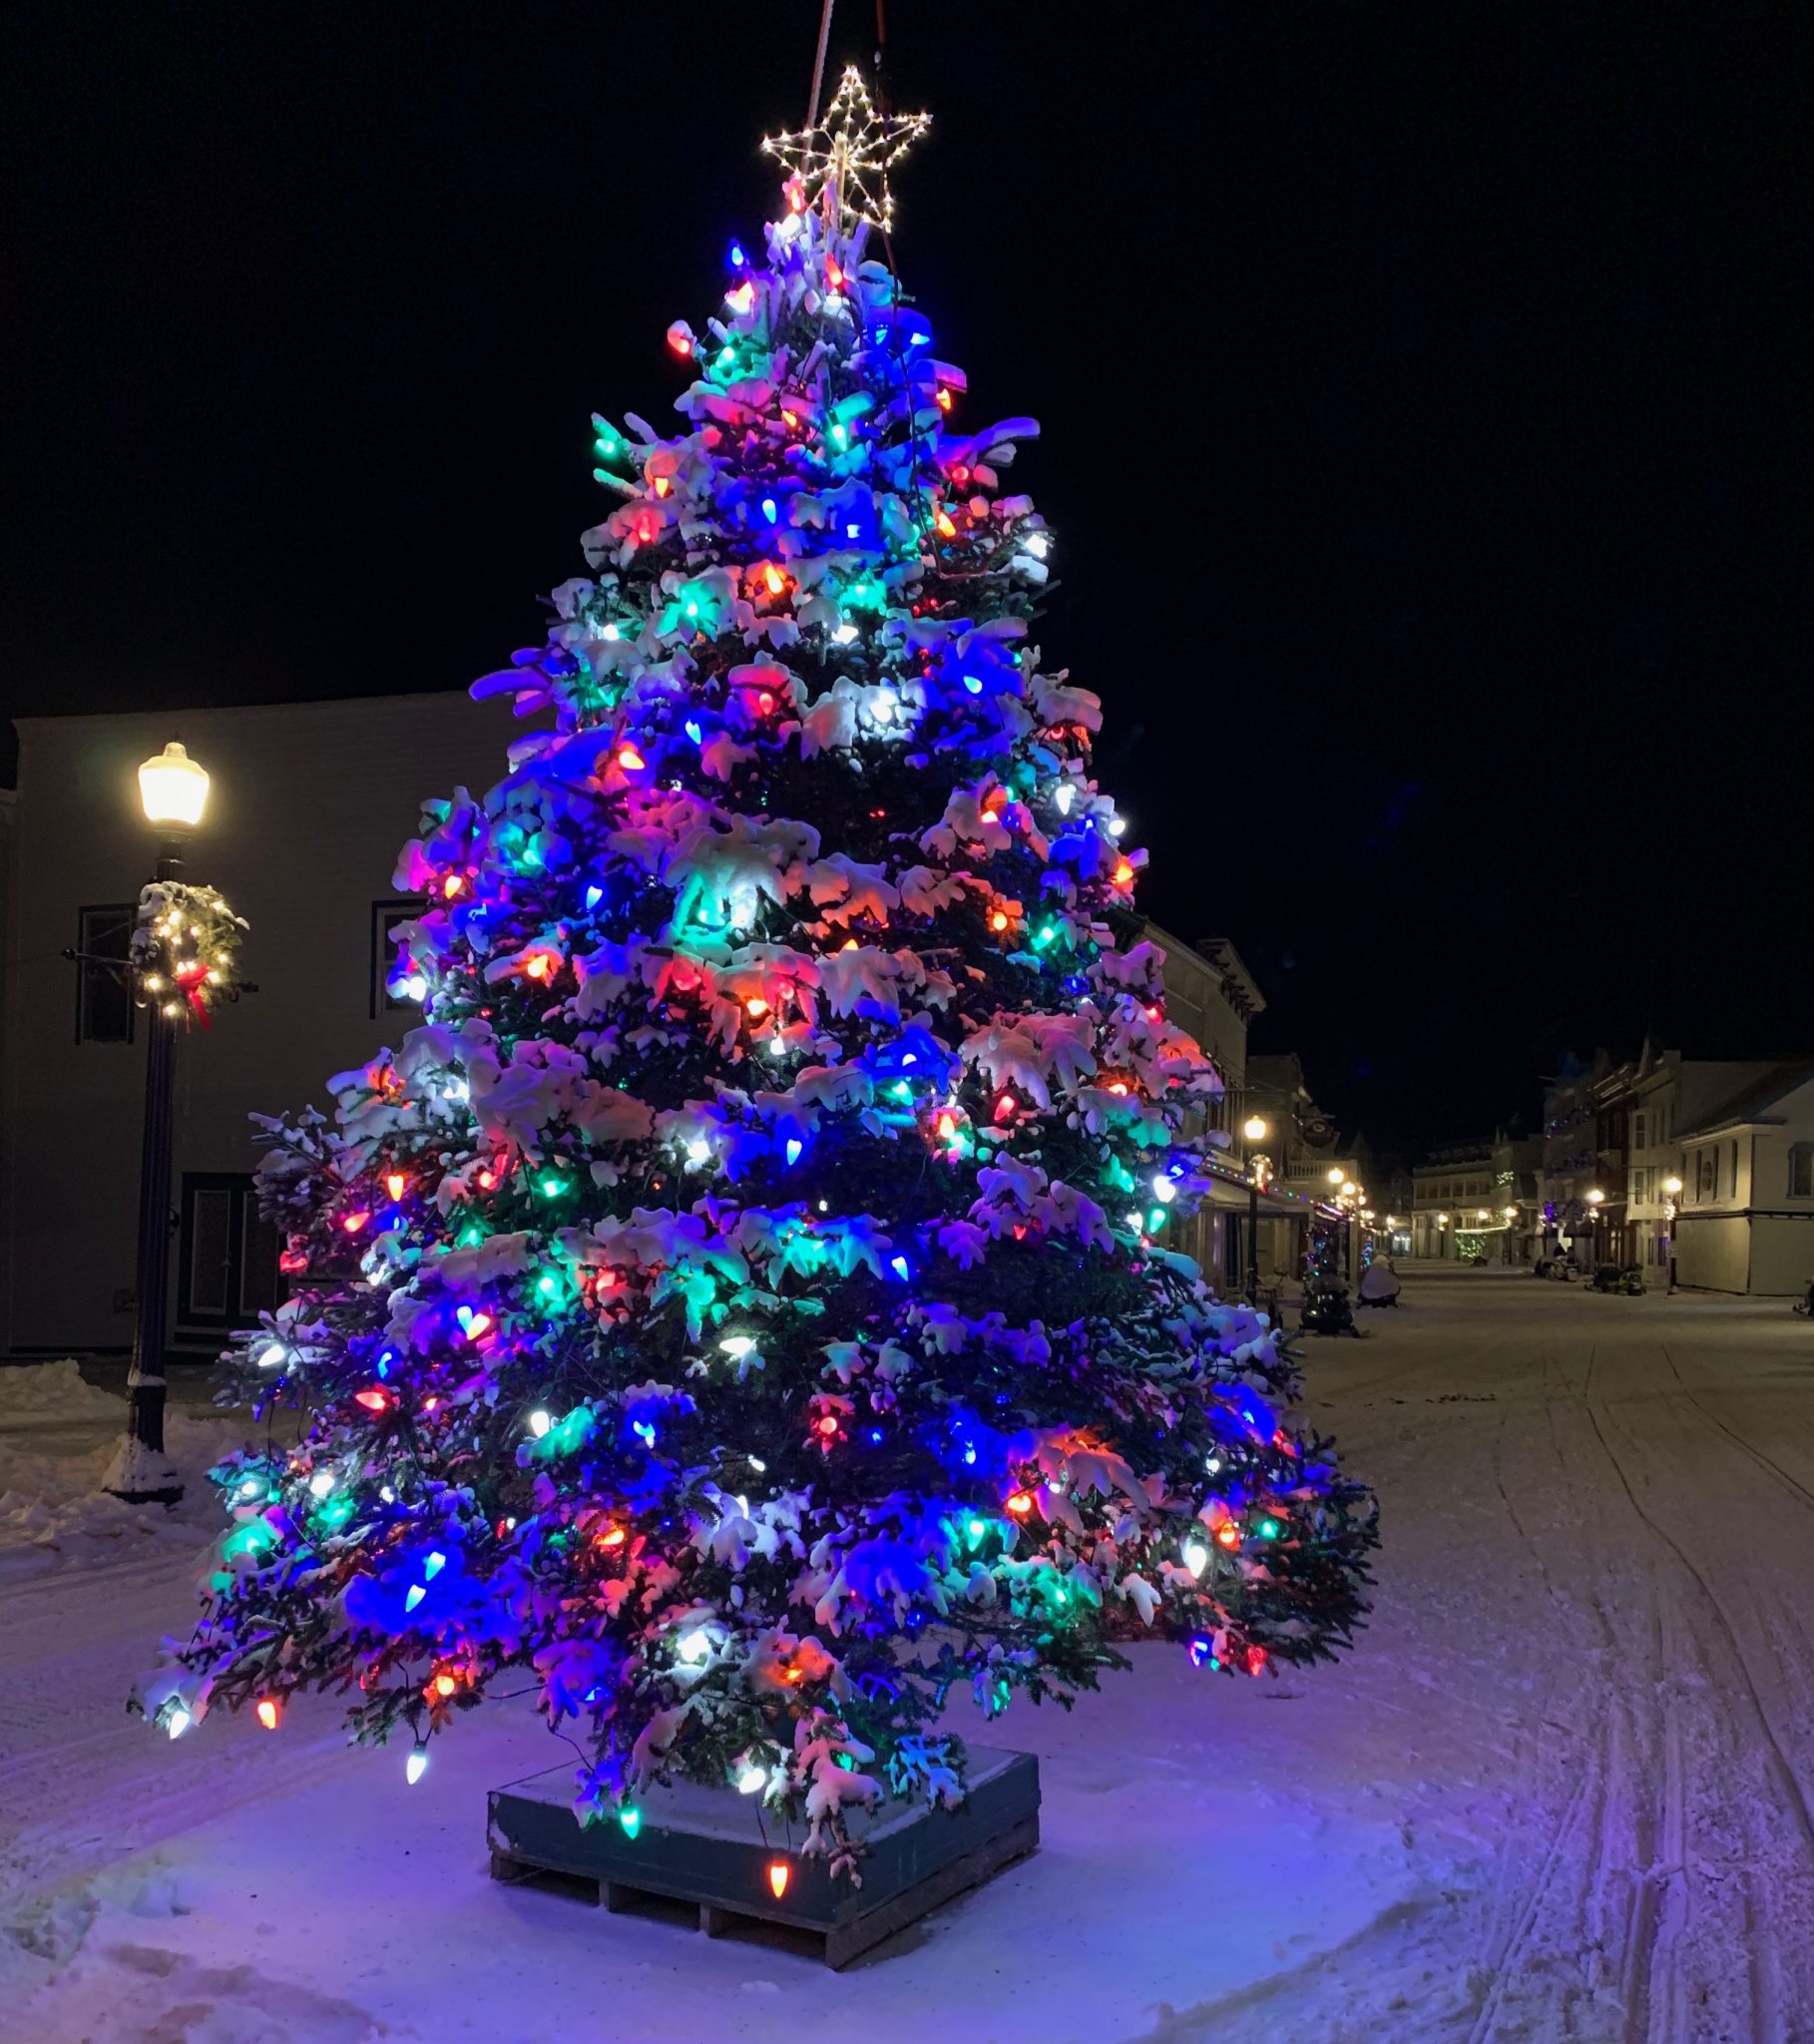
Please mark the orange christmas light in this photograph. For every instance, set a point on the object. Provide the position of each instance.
(268, 1712)
(779, 1874)
(395, 1184)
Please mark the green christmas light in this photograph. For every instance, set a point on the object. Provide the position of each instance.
(253, 1538)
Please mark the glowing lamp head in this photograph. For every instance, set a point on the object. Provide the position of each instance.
(1336, 1175)
(1254, 1129)
(1671, 1186)
(1595, 1196)
(173, 790)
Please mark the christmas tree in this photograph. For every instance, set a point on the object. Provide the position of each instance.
(744, 1302)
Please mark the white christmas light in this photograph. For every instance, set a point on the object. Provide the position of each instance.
(844, 634)
(750, 1778)
(695, 1647)
(1036, 544)
(1063, 795)
(1197, 1557)
(178, 1722)
(736, 1346)
(416, 1766)
(270, 1356)
(1116, 824)
(539, 1422)
(699, 1151)
(321, 1482)
(1164, 1189)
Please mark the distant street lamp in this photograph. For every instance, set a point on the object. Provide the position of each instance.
(1254, 1129)
(1594, 1196)
(1336, 1175)
(1672, 1186)
(173, 792)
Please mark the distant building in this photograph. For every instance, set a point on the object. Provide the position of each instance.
(1209, 992)
(1478, 1202)
(1732, 1132)
(1746, 1221)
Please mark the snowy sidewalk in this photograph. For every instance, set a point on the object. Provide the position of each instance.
(1560, 1792)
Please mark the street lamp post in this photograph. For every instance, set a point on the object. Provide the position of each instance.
(1595, 1196)
(173, 790)
(1672, 1186)
(1253, 1128)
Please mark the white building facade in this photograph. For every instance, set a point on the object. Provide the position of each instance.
(309, 805)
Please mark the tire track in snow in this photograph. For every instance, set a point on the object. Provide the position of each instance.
(1791, 1483)
(1793, 1798)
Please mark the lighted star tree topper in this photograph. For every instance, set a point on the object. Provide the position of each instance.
(843, 162)
(742, 1308)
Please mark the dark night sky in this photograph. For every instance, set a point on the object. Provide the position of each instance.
(1424, 407)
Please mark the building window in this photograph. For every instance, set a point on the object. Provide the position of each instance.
(1801, 1171)
(1637, 1129)
(227, 1267)
(387, 918)
(104, 1004)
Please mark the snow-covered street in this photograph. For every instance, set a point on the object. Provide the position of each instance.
(1561, 1790)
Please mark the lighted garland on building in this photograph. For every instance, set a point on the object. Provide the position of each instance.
(185, 944)
(744, 1302)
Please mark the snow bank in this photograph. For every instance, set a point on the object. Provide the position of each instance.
(50, 1395)
(52, 1510)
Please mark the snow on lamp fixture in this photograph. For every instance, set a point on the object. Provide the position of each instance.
(173, 790)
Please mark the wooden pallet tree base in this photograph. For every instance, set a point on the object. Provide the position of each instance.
(716, 1854)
